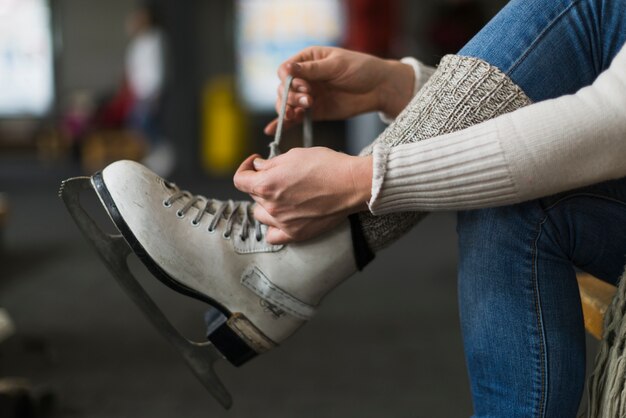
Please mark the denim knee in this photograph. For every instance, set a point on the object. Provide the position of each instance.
(491, 231)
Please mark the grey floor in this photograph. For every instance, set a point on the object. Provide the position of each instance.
(385, 344)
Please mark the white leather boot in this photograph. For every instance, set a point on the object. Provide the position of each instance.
(216, 252)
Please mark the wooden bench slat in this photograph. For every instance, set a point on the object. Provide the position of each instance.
(596, 296)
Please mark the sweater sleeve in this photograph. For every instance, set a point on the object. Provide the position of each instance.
(542, 149)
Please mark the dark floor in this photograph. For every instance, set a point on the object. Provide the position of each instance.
(385, 344)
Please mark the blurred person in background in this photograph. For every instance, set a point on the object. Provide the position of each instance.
(146, 75)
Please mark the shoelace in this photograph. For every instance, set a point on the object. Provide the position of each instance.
(221, 212)
(307, 124)
(230, 210)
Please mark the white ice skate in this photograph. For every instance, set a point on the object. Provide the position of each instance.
(213, 251)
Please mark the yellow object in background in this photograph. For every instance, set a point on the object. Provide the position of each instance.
(223, 127)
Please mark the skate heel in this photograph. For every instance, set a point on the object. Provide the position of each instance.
(236, 337)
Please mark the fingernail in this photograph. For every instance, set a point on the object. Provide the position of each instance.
(258, 163)
(304, 101)
(302, 89)
(296, 67)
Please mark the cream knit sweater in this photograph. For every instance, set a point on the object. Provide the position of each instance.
(539, 150)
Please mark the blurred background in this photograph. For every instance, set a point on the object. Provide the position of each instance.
(186, 87)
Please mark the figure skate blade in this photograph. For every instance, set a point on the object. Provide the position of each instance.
(114, 251)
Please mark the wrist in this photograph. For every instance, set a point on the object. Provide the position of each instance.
(396, 90)
(361, 171)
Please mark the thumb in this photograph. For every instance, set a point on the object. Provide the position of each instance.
(261, 164)
(316, 70)
(245, 176)
(275, 236)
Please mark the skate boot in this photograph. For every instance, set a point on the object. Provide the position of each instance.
(214, 251)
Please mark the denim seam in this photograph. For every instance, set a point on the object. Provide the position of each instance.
(541, 330)
(540, 37)
(538, 309)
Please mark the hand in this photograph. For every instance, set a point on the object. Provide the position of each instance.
(337, 84)
(306, 191)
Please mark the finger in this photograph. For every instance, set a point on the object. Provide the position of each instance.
(271, 127)
(301, 86)
(291, 115)
(294, 99)
(246, 176)
(261, 215)
(298, 85)
(289, 112)
(300, 100)
(299, 116)
(277, 236)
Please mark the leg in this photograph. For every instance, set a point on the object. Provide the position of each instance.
(551, 48)
(547, 48)
(520, 308)
(571, 34)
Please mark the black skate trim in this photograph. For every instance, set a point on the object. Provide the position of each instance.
(232, 347)
(363, 255)
(236, 351)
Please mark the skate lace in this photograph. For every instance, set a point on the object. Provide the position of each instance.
(307, 124)
(234, 211)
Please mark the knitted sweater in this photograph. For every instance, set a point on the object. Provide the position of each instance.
(539, 150)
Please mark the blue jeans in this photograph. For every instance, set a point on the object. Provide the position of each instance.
(520, 307)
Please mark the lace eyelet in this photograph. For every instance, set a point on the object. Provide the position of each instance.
(225, 235)
(167, 203)
(259, 239)
(211, 230)
(195, 223)
(180, 214)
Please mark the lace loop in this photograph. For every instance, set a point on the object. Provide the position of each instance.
(237, 211)
(307, 125)
(234, 213)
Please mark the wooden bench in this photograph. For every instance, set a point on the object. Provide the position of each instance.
(596, 296)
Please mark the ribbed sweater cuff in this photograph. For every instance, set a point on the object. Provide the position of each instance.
(449, 172)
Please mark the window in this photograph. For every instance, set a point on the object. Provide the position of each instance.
(270, 31)
(26, 58)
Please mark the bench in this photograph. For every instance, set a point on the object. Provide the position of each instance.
(596, 296)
